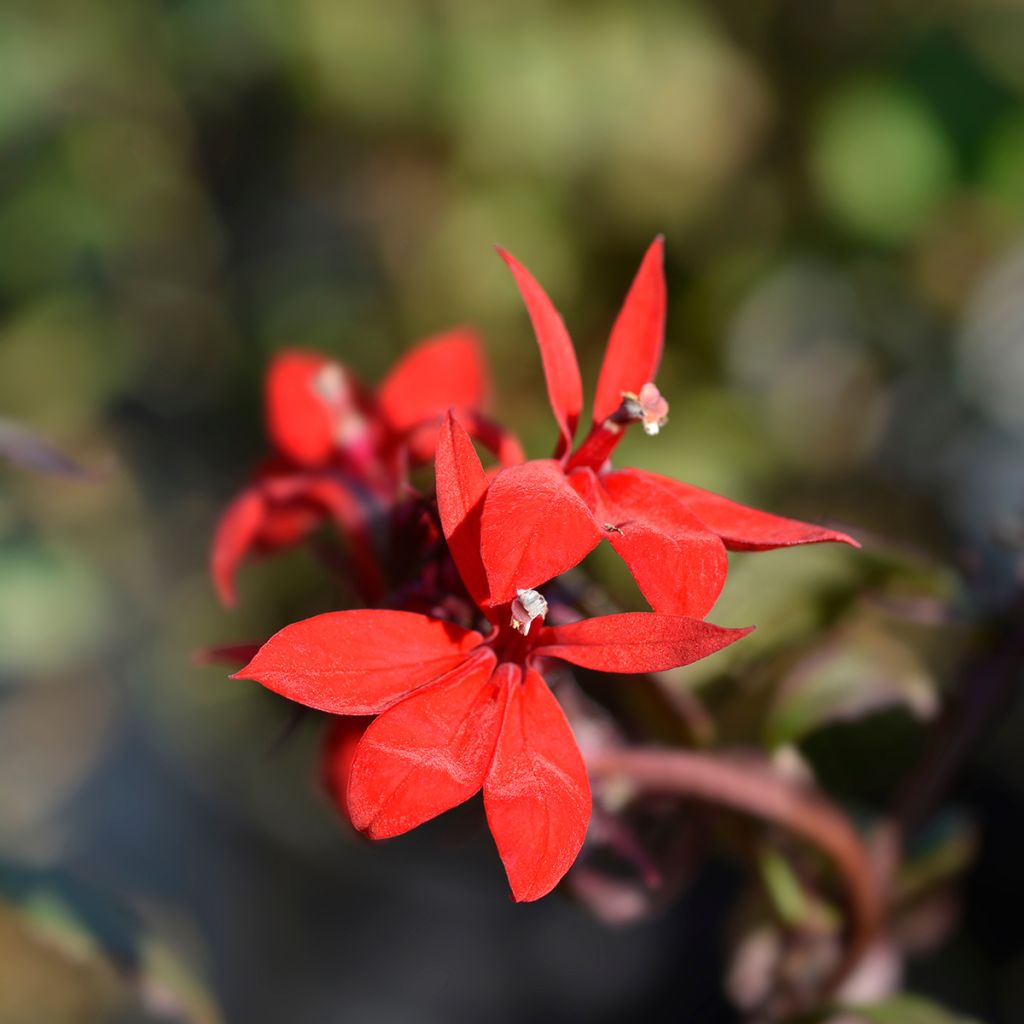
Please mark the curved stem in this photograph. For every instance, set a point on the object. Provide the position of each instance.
(758, 791)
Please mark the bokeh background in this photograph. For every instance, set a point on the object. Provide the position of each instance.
(187, 186)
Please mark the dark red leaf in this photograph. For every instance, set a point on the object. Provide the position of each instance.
(358, 662)
(534, 526)
(444, 371)
(536, 794)
(678, 563)
(635, 642)
(638, 336)
(428, 753)
(565, 390)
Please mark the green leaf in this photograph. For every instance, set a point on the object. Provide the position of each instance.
(901, 1009)
(860, 671)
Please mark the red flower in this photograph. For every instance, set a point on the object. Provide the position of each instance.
(542, 517)
(340, 452)
(459, 711)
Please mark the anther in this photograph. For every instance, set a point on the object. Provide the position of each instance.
(527, 606)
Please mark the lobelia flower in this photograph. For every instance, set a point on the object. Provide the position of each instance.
(544, 516)
(458, 710)
(341, 452)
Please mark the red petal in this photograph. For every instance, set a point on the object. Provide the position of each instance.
(343, 736)
(565, 391)
(443, 371)
(461, 483)
(747, 529)
(534, 526)
(634, 347)
(635, 642)
(428, 753)
(358, 662)
(235, 536)
(536, 794)
(678, 563)
(301, 423)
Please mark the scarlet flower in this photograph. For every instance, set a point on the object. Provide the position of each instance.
(341, 452)
(542, 517)
(457, 710)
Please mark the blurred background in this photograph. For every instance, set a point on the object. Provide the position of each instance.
(187, 186)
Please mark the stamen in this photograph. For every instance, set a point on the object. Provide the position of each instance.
(527, 606)
(649, 407)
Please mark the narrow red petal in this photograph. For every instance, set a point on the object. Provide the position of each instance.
(358, 662)
(536, 794)
(635, 642)
(234, 537)
(534, 526)
(678, 563)
(565, 390)
(445, 370)
(428, 753)
(638, 336)
(747, 529)
(300, 420)
(461, 483)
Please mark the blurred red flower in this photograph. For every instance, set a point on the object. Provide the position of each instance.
(341, 453)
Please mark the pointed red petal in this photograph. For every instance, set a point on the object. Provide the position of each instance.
(678, 563)
(634, 347)
(747, 529)
(534, 526)
(635, 642)
(461, 483)
(428, 753)
(565, 390)
(536, 794)
(445, 370)
(358, 662)
(300, 421)
(235, 536)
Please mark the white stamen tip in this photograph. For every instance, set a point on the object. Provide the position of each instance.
(527, 606)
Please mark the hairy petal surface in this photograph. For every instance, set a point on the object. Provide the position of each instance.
(678, 563)
(536, 793)
(461, 483)
(443, 371)
(534, 526)
(300, 418)
(638, 336)
(747, 529)
(635, 642)
(428, 753)
(234, 537)
(561, 371)
(358, 662)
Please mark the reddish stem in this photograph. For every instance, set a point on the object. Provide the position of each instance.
(756, 790)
